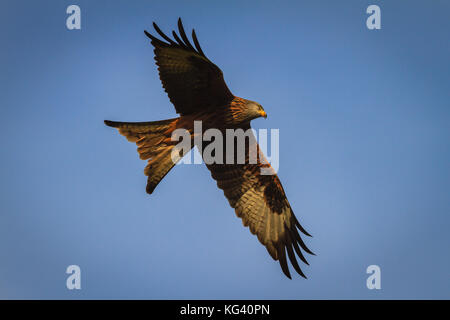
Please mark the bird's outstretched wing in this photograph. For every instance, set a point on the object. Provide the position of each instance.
(259, 200)
(191, 80)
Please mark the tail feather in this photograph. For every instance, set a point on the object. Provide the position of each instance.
(157, 168)
(133, 131)
(154, 144)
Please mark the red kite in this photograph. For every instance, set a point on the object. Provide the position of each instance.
(197, 89)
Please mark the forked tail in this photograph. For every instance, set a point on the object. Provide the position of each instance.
(154, 144)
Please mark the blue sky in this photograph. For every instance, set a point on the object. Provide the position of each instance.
(364, 150)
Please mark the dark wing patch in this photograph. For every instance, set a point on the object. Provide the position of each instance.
(192, 82)
(259, 200)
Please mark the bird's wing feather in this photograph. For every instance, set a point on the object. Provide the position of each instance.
(259, 200)
(192, 82)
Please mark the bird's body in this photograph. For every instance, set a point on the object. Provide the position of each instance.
(198, 91)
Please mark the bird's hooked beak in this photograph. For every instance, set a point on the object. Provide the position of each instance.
(263, 114)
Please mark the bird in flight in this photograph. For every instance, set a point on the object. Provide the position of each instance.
(198, 91)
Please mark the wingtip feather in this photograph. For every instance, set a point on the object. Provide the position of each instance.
(110, 123)
(283, 262)
(293, 260)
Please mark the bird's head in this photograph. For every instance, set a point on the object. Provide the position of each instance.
(254, 110)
